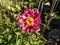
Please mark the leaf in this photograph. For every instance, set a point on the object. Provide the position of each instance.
(56, 17)
(9, 37)
(4, 32)
(43, 38)
(1, 40)
(47, 27)
(18, 42)
(7, 21)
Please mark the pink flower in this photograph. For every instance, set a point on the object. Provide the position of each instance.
(30, 20)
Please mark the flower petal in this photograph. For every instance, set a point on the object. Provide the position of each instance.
(27, 29)
(21, 19)
(32, 29)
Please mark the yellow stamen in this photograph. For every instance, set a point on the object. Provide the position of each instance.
(30, 21)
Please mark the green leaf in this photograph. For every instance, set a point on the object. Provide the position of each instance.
(4, 32)
(47, 27)
(56, 17)
(43, 38)
(1, 40)
(9, 37)
(18, 42)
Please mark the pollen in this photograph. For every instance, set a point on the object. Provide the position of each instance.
(30, 21)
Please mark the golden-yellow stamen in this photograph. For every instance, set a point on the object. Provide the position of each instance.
(30, 21)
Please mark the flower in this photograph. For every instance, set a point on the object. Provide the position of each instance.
(30, 20)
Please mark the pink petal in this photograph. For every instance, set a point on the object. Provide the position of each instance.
(24, 28)
(27, 29)
(26, 13)
(32, 29)
(30, 11)
(22, 25)
(36, 14)
(20, 19)
(24, 16)
(36, 26)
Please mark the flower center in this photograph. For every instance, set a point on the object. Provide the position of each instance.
(30, 21)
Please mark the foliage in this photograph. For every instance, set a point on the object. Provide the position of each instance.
(10, 33)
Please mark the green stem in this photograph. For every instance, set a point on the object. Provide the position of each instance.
(53, 5)
(17, 34)
(39, 4)
(22, 3)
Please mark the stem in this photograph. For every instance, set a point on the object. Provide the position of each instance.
(53, 5)
(49, 21)
(30, 5)
(22, 3)
(56, 43)
(39, 5)
(16, 38)
(56, 4)
(52, 9)
(16, 2)
(51, 12)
